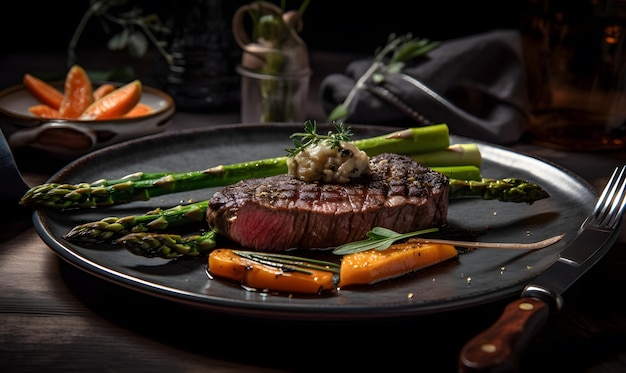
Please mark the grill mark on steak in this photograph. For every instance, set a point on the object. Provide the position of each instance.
(280, 212)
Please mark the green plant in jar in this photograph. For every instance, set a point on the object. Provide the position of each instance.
(273, 50)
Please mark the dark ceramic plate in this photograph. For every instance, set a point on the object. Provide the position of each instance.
(478, 277)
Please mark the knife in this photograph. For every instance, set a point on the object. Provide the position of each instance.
(499, 347)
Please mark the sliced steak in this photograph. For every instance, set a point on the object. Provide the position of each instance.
(280, 212)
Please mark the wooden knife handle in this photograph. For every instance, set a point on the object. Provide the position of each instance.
(499, 347)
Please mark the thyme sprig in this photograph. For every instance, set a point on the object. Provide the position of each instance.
(289, 263)
(378, 238)
(310, 137)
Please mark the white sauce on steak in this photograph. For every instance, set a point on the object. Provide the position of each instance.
(329, 165)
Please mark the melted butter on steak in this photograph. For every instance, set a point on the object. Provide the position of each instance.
(281, 212)
(322, 162)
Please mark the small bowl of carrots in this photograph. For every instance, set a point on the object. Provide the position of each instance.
(76, 116)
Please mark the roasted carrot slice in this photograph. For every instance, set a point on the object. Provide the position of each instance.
(44, 111)
(114, 104)
(139, 110)
(371, 266)
(78, 93)
(103, 90)
(228, 264)
(42, 91)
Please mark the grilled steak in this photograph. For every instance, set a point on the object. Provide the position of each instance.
(281, 212)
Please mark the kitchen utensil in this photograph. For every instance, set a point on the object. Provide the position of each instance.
(500, 346)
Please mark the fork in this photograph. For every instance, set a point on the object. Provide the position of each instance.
(610, 206)
(605, 218)
(499, 346)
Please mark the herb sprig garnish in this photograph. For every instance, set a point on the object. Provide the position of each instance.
(310, 137)
(382, 238)
(392, 58)
(289, 263)
(377, 239)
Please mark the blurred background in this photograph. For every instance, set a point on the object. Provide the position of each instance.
(584, 37)
(348, 26)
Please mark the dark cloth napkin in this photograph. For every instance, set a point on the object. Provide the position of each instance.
(14, 217)
(475, 84)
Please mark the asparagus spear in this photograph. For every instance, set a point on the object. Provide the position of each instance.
(111, 228)
(507, 190)
(453, 156)
(167, 246)
(143, 186)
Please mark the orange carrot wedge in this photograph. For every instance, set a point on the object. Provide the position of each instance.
(371, 266)
(228, 264)
(103, 90)
(139, 110)
(78, 93)
(42, 91)
(44, 111)
(114, 104)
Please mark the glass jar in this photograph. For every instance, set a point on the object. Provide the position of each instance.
(274, 67)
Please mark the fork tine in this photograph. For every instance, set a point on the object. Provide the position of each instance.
(619, 201)
(599, 209)
(611, 203)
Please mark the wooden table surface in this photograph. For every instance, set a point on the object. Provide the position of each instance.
(55, 317)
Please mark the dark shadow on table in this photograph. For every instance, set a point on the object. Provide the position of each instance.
(427, 342)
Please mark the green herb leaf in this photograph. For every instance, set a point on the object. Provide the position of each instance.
(383, 232)
(379, 238)
(338, 112)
